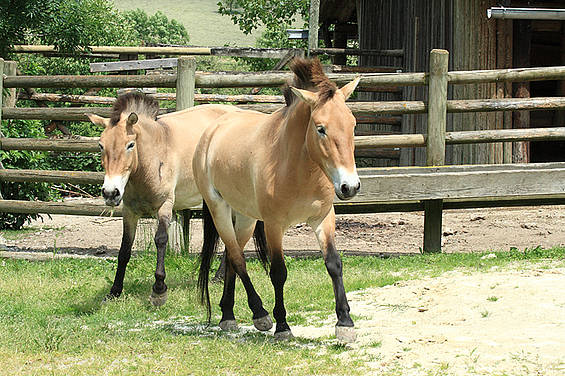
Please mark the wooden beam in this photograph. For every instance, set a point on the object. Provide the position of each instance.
(314, 25)
(117, 66)
(74, 177)
(435, 142)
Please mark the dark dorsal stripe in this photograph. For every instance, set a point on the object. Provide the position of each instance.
(309, 75)
(134, 102)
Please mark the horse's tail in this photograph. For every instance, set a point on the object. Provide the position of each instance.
(209, 246)
(261, 245)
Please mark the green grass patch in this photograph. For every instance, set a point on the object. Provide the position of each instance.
(53, 321)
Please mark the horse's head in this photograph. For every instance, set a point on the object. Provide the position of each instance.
(330, 136)
(119, 154)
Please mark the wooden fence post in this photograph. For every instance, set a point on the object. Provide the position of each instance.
(435, 150)
(313, 25)
(186, 73)
(1, 100)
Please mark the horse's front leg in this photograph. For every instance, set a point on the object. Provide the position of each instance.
(278, 273)
(129, 222)
(159, 292)
(325, 233)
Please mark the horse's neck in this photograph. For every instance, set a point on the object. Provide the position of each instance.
(291, 140)
(151, 147)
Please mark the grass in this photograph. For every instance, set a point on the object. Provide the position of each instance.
(205, 26)
(53, 321)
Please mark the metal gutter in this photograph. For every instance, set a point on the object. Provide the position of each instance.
(526, 13)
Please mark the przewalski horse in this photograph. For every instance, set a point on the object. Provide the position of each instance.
(148, 164)
(281, 169)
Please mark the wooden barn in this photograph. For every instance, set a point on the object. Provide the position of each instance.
(474, 42)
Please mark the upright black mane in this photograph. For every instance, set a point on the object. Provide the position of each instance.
(134, 102)
(309, 75)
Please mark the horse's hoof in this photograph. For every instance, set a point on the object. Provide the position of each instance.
(263, 323)
(284, 335)
(345, 334)
(108, 298)
(158, 299)
(229, 325)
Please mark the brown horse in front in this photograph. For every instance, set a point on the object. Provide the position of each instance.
(147, 160)
(281, 169)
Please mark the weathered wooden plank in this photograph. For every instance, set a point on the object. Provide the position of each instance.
(63, 81)
(75, 177)
(69, 113)
(202, 98)
(205, 80)
(506, 75)
(120, 50)
(116, 66)
(74, 145)
(357, 52)
(426, 185)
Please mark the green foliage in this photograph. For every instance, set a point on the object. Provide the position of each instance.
(156, 28)
(18, 17)
(77, 24)
(20, 159)
(249, 14)
(70, 25)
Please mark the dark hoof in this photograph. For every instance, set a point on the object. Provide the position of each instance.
(345, 334)
(158, 299)
(263, 323)
(229, 325)
(109, 297)
(284, 336)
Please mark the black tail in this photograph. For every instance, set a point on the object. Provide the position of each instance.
(261, 245)
(209, 246)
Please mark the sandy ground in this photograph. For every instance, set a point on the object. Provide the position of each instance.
(503, 322)
(509, 321)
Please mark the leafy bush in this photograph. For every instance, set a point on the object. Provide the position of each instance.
(20, 159)
(156, 28)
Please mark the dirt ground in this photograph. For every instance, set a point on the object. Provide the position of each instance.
(509, 321)
(467, 230)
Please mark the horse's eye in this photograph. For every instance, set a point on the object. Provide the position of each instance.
(101, 147)
(321, 130)
(130, 145)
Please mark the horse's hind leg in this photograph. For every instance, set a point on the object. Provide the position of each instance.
(129, 222)
(243, 228)
(325, 231)
(159, 292)
(234, 237)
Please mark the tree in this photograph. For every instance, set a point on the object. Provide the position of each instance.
(248, 14)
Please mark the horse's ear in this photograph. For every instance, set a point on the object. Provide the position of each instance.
(98, 120)
(305, 95)
(130, 122)
(348, 89)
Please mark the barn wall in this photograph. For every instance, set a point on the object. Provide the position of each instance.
(474, 42)
(478, 43)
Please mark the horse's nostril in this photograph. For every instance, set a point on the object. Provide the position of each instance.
(116, 193)
(358, 186)
(344, 189)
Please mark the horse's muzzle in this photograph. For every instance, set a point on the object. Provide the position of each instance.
(348, 191)
(112, 197)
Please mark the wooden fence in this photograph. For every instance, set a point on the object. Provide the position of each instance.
(430, 189)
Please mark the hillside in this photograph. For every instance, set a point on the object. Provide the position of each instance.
(200, 17)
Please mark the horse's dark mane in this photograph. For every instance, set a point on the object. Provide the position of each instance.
(134, 102)
(309, 75)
